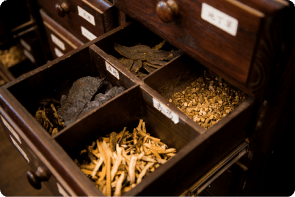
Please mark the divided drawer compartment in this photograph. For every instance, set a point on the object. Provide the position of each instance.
(198, 149)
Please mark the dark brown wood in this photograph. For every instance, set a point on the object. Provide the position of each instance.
(5, 73)
(102, 12)
(54, 29)
(13, 181)
(213, 47)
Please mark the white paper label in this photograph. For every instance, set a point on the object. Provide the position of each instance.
(25, 44)
(87, 33)
(11, 130)
(58, 52)
(219, 19)
(58, 42)
(167, 112)
(19, 149)
(29, 56)
(61, 190)
(84, 14)
(112, 70)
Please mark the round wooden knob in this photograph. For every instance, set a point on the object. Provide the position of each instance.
(61, 9)
(167, 10)
(35, 179)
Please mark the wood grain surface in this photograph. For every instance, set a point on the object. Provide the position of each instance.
(13, 168)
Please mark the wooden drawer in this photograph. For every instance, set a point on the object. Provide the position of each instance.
(41, 171)
(86, 19)
(30, 44)
(236, 39)
(60, 40)
(198, 149)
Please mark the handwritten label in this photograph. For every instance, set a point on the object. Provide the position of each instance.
(29, 56)
(58, 42)
(19, 149)
(219, 19)
(11, 129)
(84, 14)
(61, 190)
(87, 33)
(167, 112)
(112, 70)
(25, 44)
(58, 52)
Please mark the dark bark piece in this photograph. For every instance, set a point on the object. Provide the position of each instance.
(137, 65)
(100, 99)
(159, 46)
(127, 63)
(79, 95)
(113, 141)
(143, 52)
(148, 68)
(161, 63)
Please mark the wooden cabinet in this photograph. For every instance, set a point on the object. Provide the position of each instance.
(60, 40)
(86, 19)
(242, 41)
(233, 38)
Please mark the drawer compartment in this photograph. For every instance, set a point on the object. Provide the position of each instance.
(131, 35)
(203, 30)
(60, 40)
(85, 19)
(198, 149)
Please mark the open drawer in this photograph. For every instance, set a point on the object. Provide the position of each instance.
(198, 149)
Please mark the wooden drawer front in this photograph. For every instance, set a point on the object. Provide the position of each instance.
(86, 19)
(222, 35)
(29, 42)
(198, 149)
(33, 157)
(60, 40)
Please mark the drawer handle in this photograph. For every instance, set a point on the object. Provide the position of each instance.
(167, 10)
(35, 179)
(61, 9)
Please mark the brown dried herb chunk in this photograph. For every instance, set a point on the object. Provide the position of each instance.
(127, 63)
(137, 65)
(148, 68)
(161, 63)
(143, 52)
(160, 45)
(47, 116)
(79, 95)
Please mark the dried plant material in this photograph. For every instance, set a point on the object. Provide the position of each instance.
(160, 45)
(113, 141)
(11, 56)
(108, 175)
(132, 169)
(208, 99)
(47, 116)
(142, 59)
(96, 167)
(127, 63)
(119, 185)
(143, 172)
(117, 171)
(143, 52)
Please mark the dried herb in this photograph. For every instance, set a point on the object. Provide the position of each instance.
(85, 95)
(208, 99)
(142, 60)
(123, 159)
(47, 116)
(79, 95)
